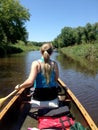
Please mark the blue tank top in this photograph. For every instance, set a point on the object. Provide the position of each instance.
(40, 81)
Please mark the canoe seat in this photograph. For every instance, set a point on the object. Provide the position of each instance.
(44, 104)
(47, 104)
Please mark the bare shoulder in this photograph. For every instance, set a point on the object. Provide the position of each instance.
(35, 63)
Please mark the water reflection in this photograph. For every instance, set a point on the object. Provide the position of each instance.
(30, 57)
(89, 68)
(12, 71)
(83, 82)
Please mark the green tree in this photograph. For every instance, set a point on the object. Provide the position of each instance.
(95, 31)
(12, 21)
(90, 32)
(80, 35)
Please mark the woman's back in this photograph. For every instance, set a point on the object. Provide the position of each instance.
(43, 90)
(40, 81)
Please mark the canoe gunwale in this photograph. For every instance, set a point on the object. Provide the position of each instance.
(72, 97)
(83, 111)
(8, 106)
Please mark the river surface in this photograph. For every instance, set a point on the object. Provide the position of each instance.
(84, 84)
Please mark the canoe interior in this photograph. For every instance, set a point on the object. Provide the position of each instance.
(20, 116)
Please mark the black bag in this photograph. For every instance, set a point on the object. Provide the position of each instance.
(64, 110)
(45, 94)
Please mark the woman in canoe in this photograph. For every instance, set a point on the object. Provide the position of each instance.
(43, 76)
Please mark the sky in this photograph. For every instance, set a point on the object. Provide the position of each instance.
(49, 17)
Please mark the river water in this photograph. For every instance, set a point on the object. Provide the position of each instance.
(84, 84)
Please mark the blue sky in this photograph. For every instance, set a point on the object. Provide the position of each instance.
(48, 17)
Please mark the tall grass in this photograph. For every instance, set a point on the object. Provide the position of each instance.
(86, 55)
(26, 47)
(84, 51)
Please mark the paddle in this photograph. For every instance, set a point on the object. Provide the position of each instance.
(2, 100)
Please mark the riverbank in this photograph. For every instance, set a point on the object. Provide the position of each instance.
(25, 48)
(6, 50)
(85, 54)
(84, 51)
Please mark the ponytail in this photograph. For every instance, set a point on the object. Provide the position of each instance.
(46, 51)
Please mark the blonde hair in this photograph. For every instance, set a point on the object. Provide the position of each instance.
(46, 51)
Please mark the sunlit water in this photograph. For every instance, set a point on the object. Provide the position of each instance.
(84, 84)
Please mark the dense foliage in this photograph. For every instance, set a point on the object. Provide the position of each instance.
(75, 36)
(12, 22)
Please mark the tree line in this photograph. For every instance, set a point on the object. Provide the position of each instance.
(74, 36)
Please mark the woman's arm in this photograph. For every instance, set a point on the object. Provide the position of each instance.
(30, 80)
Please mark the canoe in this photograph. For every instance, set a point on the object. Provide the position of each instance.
(17, 115)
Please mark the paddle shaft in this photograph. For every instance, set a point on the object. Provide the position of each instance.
(2, 100)
(13, 92)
